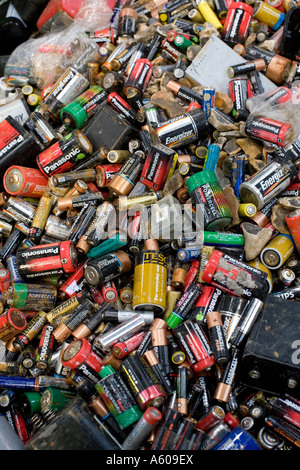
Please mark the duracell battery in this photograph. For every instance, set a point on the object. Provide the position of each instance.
(217, 337)
(181, 386)
(160, 345)
(158, 370)
(226, 382)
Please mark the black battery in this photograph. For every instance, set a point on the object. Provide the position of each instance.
(17, 147)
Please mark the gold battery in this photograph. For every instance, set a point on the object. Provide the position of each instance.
(126, 294)
(65, 308)
(256, 263)
(247, 210)
(172, 298)
(179, 275)
(143, 199)
(205, 254)
(118, 156)
(277, 252)
(150, 281)
(43, 210)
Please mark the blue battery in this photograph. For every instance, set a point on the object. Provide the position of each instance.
(11, 265)
(208, 100)
(238, 173)
(212, 157)
(188, 253)
(238, 439)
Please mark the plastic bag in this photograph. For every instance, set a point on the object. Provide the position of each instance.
(41, 61)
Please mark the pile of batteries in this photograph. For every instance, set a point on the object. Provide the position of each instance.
(145, 218)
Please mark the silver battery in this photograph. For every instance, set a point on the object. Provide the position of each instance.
(19, 210)
(56, 228)
(125, 330)
(124, 315)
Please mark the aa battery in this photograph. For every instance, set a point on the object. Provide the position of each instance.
(70, 85)
(120, 316)
(187, 128)
(123, 348)
(45, 260)
(151, 417)
(240, 91)
(126, 329)
(238, 278)
(123, 182)
(12, 322)
(184, 92)
(184, 306)
(195, 344)
(246, 67)
(32, 329)
(210, 419)
(158, 370)
(139, 76)
(25, 182)
(64, 154)
(45, 347)
(66, 328)
(231, 310)
(19, 210)
(246, 322)
(107, 267)
(205, 190)
(77, 113)
(116, 396)
(238, 173)
(31, 297)
(142, 382)
(217, 338)
(225, 384)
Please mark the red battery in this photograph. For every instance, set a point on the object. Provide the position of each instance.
(157, 165)
(105, 173)
(64, 154)
(208, 301)
(211, 419)
(271, 130)
(124, 348)
(293, 223)
(79, 355)
(139, 77)
(4, 279)
(74, 283)
(193, 105)
(171, 35)
(191, 274)
(237, 23)
(121, 105)
(109, 291)
(25, 182)
(46, 260)
(240, 91)
(195, 344)
(97, 295)
(11, 322)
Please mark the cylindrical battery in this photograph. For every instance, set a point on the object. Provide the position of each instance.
(214, 416)
(41, 129)
(270, 130)
(157, 165)
(237, 23)
(5, 280)
(21, 340)
(234, 277)
(142, 382)
(116, 396)
(246, 67)
(277, 251)
(151, 417)
(208, 301)
(139, 76)
(205, 190)
(267, 183)
(64, 154)
(293, 222)
(45, 347)
(119, 316)
(240, 91)
(69, 85)
(231, 310)
(12, 322)
(217, 337)
(77, 113)
(185, 128)
(244, 326)
(19, 210)
(31, 297)
(123, 348)
(44, 260)
(266, 13)
(79, 355)
(150, 265)
(195, 344)
(105, 341)
(25, 182)
(184, 306)
(107, 267)
(66, 328)
(225, 384)
(123, 182)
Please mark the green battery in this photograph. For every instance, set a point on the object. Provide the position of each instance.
(55, 399)
(114, 243)
(77, 113)
(223, 238)
(31, 402)
(182, 42)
